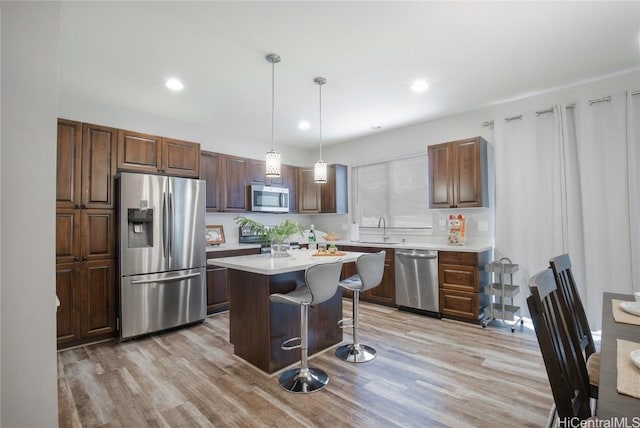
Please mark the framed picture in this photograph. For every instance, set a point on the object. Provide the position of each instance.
(214, 234)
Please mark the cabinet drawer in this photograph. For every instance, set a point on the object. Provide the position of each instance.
(456, 277)
(458, 258)
(459, 304)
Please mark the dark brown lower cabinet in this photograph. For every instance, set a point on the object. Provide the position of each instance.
(385, 293)
(462, 280)
(218, 279)
(87, 294)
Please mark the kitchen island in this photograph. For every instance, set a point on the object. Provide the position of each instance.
(257, 326)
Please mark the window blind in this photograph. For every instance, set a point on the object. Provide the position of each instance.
(396, 190)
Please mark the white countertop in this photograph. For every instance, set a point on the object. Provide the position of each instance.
(266, 265)
(472, 248)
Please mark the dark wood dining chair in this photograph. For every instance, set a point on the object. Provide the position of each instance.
(577, 318)
(565, 366)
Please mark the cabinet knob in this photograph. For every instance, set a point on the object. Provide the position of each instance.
(76, 206)
(76, 259)
(84, 259)
(84, 206)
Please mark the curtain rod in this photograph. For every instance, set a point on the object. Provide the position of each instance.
(508, 119)
(549, 110)
(599, 100)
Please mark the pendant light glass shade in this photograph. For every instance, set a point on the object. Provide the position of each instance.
(320, 171)
(272, 164)
(320, 167)
(272, 168)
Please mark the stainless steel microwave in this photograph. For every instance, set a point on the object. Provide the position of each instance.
(269, 199)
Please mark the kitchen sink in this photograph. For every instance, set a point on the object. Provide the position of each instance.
(379, 242)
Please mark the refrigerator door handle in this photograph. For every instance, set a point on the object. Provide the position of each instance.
(165, 226)
(171, 279)
(171, 220)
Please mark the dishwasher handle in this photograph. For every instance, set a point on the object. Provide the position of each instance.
(418, 256)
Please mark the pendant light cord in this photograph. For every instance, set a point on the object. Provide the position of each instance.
(273, 99)
(320, 120)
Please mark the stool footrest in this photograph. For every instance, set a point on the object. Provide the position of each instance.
(345, 323)
(286, 344)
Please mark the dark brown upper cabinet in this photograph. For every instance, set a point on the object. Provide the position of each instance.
(458, 174)
(138, 152)
(210, 172)
(330, 197)
(85, 165)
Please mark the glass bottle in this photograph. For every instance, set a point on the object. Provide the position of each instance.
(312, 238)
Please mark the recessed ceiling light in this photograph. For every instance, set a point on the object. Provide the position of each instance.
(419, 86)
(174, 84)
(304, 125)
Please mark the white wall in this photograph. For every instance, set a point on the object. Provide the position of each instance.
(402, 142)
(28, 166)
(87, 110)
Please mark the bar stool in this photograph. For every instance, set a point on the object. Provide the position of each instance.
(370, 269)
(321, 284)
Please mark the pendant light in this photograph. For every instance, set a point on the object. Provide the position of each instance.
(320, 167)
(272, 168)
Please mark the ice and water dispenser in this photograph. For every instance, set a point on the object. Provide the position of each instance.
(140, 227)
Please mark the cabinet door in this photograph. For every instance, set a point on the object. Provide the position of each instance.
(68, 292)
(98, 234)
(138, 152)
(217, 289)
(308, 192)
(459, 304)
(440, 186)
(289, 176)
(180, 158)
(468, 180)
(257, 171)
(333, 194)
(457, 277)
(235, 185)
(68, 237)
(385, 293)
(328, 191)
(69, 161)
(98, 166)
(98, 298)
(210, 173)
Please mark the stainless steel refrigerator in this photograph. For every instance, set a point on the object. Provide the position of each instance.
(162, 263)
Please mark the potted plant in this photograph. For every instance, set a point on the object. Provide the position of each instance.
(277, 236)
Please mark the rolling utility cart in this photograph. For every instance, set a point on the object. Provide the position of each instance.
(500, 291)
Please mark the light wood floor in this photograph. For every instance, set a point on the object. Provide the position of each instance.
(428, 373)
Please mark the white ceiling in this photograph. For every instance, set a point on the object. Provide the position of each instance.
(473, 54)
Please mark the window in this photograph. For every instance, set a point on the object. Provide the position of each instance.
(396, 190)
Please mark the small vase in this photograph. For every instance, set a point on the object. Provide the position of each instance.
(280, 248)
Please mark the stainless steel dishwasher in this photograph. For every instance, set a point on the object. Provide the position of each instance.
(417, 280)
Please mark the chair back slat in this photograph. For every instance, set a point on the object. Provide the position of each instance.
(561, 266)
(562, 358)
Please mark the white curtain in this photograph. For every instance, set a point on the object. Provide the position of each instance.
(567, 182)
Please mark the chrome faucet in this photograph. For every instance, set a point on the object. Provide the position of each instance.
(385, 237)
